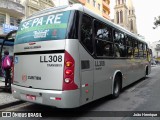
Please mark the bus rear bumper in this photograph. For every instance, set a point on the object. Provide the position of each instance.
(60, 99)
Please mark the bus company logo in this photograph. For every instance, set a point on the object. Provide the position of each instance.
(24, 78)
(40, 34)
(54, 33)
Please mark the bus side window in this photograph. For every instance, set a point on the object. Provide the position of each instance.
(140, 47)
(108, 49)
(104, 44)
(136, 50)
(86, 33)
(129, 46)
(119, 40)
(145, 51)
(117, 50)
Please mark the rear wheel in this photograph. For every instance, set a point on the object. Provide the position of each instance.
(116, 87)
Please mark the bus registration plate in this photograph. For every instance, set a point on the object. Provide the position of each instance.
(31, 97)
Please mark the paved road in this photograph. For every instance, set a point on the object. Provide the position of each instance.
(141, 96)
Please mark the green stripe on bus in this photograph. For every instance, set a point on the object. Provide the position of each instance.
(43, 27)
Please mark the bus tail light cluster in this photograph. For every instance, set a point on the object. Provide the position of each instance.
(69, 64)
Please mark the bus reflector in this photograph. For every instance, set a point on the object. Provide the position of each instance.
(87, 91)
(86, 84)
(68, 82)
(55, 98)
(58, 98)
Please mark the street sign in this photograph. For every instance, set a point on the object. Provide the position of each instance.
(8, 28)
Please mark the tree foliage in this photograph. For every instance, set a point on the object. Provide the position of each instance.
(156, 22)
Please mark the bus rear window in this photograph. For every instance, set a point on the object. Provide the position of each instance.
(43, 28)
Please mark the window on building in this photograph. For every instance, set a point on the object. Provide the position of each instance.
(104, 43)
(117, 14)
(104, 11)
(14, 21)
(86, 33)
(18, 21)
(131, 24)
(99, 6)
(129, 12)
(121, 16)
(2, 19)
(94, 3)
(118, 2)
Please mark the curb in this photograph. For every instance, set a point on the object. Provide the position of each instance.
(3, 106)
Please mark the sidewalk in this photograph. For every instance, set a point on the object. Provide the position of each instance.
(6, 98)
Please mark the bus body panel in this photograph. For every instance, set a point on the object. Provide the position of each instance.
(35, 71)
(103, 73)
(65, 99)
(86, 75)
(49, 45)
(50, 85)
(136, 69)
(40, 69)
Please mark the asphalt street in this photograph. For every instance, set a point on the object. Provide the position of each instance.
(140, 96)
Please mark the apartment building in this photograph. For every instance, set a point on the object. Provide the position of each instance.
(100, 7)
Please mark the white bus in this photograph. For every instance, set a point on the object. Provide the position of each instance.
(68, 56)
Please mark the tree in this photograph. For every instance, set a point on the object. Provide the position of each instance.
(156, 22)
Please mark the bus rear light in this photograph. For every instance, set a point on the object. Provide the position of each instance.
(69, 64)
(86, 84)
(68, 72)
(68, 82)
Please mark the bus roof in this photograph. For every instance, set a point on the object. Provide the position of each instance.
(82, 8)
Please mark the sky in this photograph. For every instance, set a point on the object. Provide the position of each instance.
(145, 11)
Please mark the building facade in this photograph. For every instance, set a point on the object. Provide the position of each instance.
(100, 7)
(32, 6)
(11, 13)
(155, 46)
(124, 15)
